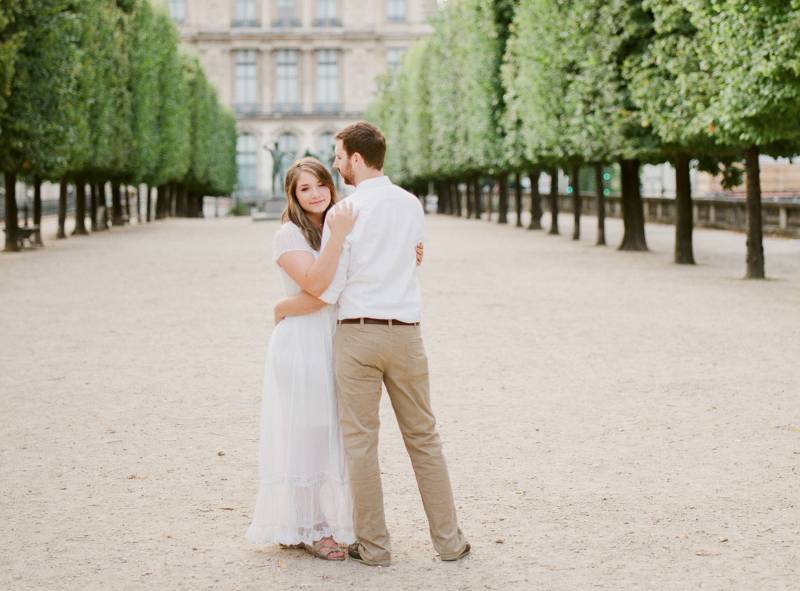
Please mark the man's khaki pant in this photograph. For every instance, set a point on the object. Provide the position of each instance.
(366, 356)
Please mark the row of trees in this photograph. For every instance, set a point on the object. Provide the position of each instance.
(96, 93)
(506, 88)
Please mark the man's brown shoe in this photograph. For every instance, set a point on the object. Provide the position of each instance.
(354, 553)
(464, 553)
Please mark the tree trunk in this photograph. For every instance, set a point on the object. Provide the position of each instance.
(178, 202)
(632, 207)
(138, 203)
(173, 200)
(185, 207)
(149, 212)
(116, 204)
(93, 206)
(161, 200)
(457, 195)
(536, 200)
(502, 199)
(11, 212)
(518, 198)
(126, 200)
(490, 200)
(477, 197)
(62, 208)
(37, 211)
(684, 254)
(577, 204)
(554, 201)
(755, 230)
(80, 207)
(102, 206)
(601, 204)
(468, 197)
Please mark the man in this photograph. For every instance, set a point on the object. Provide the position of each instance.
(378, 341)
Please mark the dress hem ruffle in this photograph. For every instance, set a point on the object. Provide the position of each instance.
(258, 534)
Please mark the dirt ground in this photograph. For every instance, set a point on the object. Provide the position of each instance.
(611, 420)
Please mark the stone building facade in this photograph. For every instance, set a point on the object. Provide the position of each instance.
(295, 71)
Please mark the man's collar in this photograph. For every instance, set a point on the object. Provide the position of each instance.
(378, 181)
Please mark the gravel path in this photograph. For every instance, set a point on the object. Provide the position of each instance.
(612, 421)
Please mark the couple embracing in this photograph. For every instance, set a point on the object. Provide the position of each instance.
(350, 323)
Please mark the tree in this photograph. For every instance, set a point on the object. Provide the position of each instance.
(752, 53)
(533, 75)
(175, 142)
(144, 90)
(671, 84)
(34, 124)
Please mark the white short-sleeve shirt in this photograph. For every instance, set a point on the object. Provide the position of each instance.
(377, 272)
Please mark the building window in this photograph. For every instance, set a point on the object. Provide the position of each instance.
(396, 10)
(326, 14)
(286, 14)
(245, 14)
(327, 80)
(246, 77)
(246, 161)
(286, 88)
(177, 8)
(394, 56)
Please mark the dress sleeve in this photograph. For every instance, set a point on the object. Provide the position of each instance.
(289, 238)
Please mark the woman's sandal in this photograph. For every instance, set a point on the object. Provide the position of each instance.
(326, 549)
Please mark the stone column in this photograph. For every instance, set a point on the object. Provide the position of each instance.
(307, 10)
(307, 79)
(266, 84)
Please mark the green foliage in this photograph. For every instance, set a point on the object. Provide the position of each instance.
(144, 89)
(11, 39)
(174, 118)
(99, 89)
(416, 119)
(751, 52)
(34, 125)
(534, 80)
(671, 82)
(505, 84)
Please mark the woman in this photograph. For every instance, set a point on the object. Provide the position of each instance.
(304, 493)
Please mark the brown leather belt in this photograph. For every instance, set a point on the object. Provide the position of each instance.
(376, 321)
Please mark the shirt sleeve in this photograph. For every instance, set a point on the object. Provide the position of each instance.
(289, 238)
(335, 289)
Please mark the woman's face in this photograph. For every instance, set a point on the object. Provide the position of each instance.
(312, 194)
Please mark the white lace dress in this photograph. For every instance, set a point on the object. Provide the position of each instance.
(304, 491)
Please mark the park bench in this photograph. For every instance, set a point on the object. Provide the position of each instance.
(23, 234)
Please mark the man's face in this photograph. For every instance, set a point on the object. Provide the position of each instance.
(342, 163)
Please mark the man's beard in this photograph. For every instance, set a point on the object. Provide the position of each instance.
(347, 176)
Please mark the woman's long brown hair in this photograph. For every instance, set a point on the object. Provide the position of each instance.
(294, 212)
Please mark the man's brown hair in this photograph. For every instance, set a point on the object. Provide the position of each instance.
(367, 140)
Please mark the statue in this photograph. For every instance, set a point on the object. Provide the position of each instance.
(277, 168)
